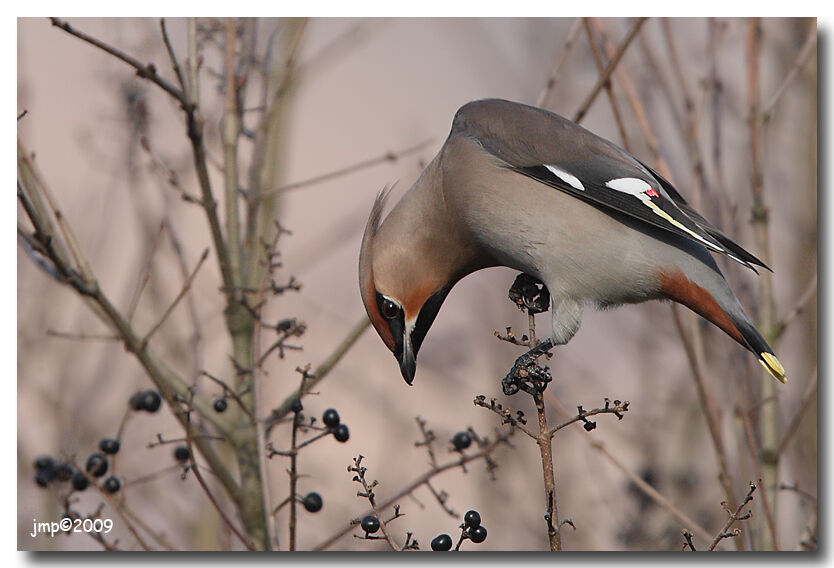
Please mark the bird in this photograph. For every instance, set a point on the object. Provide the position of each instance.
(519, 186)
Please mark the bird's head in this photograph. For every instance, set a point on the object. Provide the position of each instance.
(402, 292)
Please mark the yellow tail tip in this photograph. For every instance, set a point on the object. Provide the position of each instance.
(773, 366)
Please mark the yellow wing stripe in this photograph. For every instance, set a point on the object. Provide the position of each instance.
(658, 211)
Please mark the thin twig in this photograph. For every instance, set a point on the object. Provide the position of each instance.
(207, 491)
(389, 156)
(146, 275)
(171, 55)
(707, 401)
(293, 480)
(793, 426)
(320, 373)
(801, 58)
(553, 78)
(368, 493)
(419, 482)
(63, 226)
(755, 457)
(230, 391)
(768, 419)
(795, 488)
(230, 131)
(185, 288)
(606, 75)
(145, 71)
(737, 516)
(82, 336)
(608, 88)
(637, 107)
(638, 481)
(195, 135)
(797, 309)
(115, 505)
(159, 537)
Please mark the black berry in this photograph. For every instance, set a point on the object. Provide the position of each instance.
(589, 425)
(48, 473)
(150, 401)
(461, 440)
(97, 464)
(79, 481)
(472, 519)
(109, 445)
(220, 405)
(330, 418)
(370, 524)
(41, 478)
(296, 405)
(181, 453)
(64, 471)
(44, 462)
(341, 433)
(441, 542)
(112, 484)
(312, 502)
(478, 534)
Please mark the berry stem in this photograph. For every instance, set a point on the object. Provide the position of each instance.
(293, 479)
(545, 442)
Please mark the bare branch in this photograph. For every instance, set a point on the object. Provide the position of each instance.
(196, 470)
(606, 75)
(608, 88)
(364, 164)
(801, 58)
(796, 311)
(638, 481)
(464, 459)
(707, 400)
(82, 336)
(145, 71)
(321, 371)
(230, 131)
(793, 426)
(737, 516)
(145, 276)
(550, 84)
(185, 288)
(171, 55)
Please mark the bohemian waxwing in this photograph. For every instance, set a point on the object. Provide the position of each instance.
(518, 186)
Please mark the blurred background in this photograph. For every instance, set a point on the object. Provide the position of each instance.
(362, 89)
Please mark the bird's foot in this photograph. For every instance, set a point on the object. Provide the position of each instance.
(530, 293)
(526, 374)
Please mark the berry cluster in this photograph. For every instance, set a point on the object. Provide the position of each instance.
(471, 529)
(48, 470)
(331, 420)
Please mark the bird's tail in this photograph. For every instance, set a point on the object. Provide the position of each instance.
(756, 343)
(714, 301)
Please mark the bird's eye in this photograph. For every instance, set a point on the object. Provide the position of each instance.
(389, 309)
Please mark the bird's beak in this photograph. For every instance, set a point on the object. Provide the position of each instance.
(408, 365)
(408, 359)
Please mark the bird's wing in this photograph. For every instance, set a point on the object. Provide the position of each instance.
(559, 153)
(711, 229)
